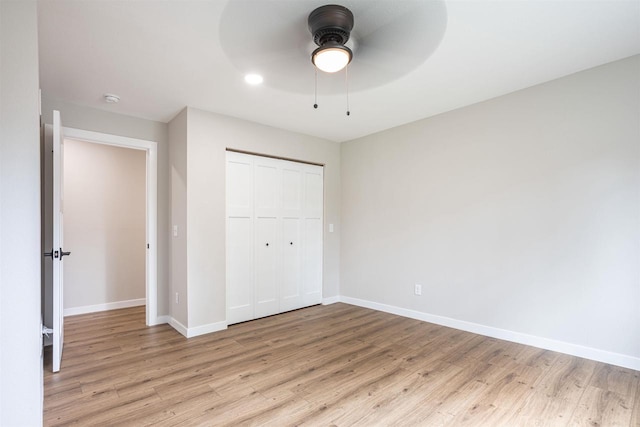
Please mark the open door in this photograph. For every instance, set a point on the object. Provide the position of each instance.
(57, 252)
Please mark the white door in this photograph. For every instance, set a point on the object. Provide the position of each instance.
(291, 291)
(240, 224)
(58, 244)
(267, 236)
(274, 236)
(312, 214)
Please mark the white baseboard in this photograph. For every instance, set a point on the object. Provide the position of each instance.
(198, 330)
(160, 320)
(178, 327)
(206, 329)
(73, 311)
(504, 334)
(330, 300)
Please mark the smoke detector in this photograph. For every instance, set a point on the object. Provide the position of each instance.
(110, 98)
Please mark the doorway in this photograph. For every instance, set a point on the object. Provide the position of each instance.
(146, 152)
(104, 223)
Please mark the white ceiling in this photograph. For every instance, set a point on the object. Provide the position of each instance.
(160, 56)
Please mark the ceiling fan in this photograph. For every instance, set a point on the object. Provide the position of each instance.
(331, 27)
(380, 40)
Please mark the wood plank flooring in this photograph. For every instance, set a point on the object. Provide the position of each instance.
(335, 365)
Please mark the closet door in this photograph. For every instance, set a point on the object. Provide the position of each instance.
(274, 236)
(312, 229)
(291, 296)
(268, 236)
(240, 238)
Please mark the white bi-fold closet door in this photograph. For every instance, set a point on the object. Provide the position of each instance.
(274, 236)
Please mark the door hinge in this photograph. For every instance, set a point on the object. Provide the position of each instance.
(46, 330)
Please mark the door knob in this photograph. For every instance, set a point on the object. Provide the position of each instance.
(49, 253)
(63, 253)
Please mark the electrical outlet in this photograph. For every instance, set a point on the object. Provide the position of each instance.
(418, 289)
(177, 298)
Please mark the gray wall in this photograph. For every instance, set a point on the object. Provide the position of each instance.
(178, 157)
(92, 119)
(104, 223)
(519, 213)
(207, 137)
(20, 246)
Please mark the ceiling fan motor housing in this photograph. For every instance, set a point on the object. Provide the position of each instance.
(331, 24)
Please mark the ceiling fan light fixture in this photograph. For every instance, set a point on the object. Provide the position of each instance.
(331, 27)
(331, 58)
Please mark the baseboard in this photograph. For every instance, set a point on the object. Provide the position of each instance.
(198, 330)
(330, 300)
(73, 311)
(160, 320)
(504, 334)
(206, 329)
(179, 327)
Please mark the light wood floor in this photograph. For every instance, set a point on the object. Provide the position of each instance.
(325, 365)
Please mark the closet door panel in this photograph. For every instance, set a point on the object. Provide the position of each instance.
(312, 261)
(267, 188)
(291, 290)
(313, 225)
(239, 270)
(291, 191)
(292, 200)
(239, 187)
(239, 239)
(267, 250)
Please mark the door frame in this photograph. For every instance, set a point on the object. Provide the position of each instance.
(151, 148)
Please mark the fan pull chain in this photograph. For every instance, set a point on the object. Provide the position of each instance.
(346, 78)
(315, 92)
